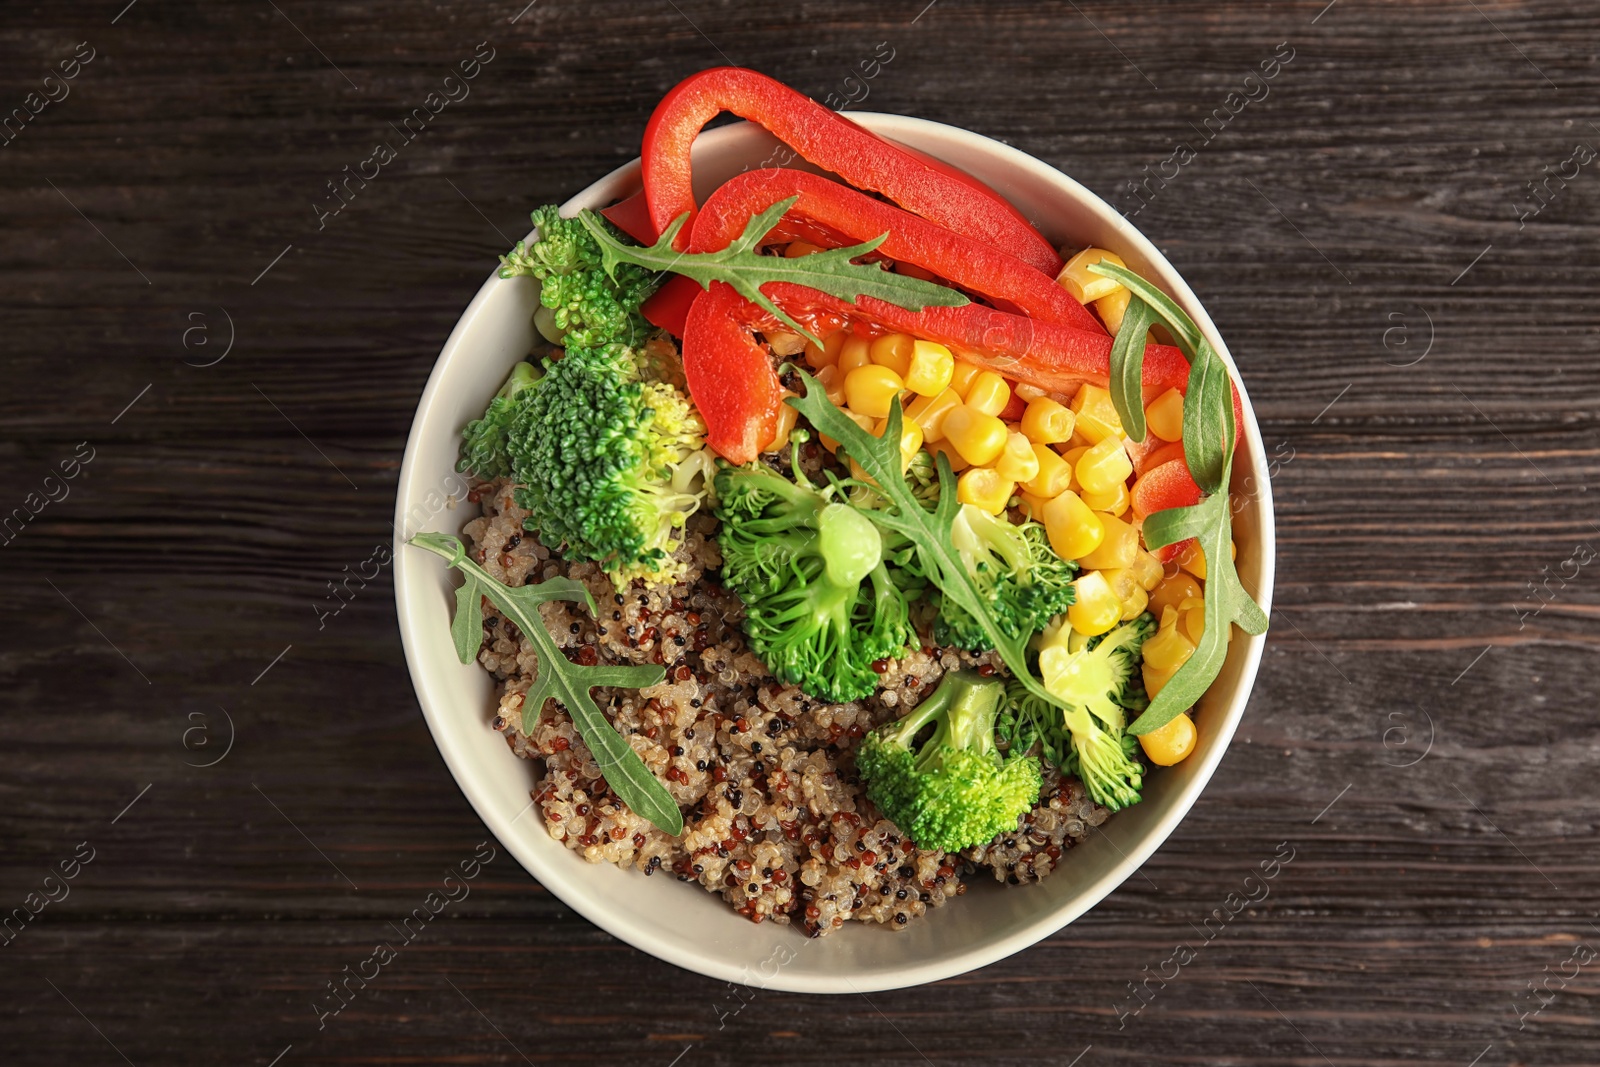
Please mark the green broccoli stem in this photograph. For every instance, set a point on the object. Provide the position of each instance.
(971, 701)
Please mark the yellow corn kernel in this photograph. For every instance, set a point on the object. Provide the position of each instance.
(828, 354)
(1117, 548)
(1171, 592)
(892, 350)
(1173, 742)
(1154, 680)
(978, 437)
(988, 393)
(1133, 606)
(854, 352)
(910, 438)
(930, 368)
(1096, 414)
(1168, 649)
(832, 381)
(786, 417)
(930, 412)
(1054, 476)
(945, 449)
(1047, 422)
(961, 375)
(985, 489)
(860, 420)
(1193, 558)
(1017, 463)
(796, 249)
(871, 390)
(1027, 392)
(1032, 504)
(1164, 416)
(1122, 583)
(1103, 467)
(1074, 530)
(1071, 456)
(1192, 618)
(1147, 570)
(1096, 608)
(1113, 503)
(1076, 279)
(1113, 306)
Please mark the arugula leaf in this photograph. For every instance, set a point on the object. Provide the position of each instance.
(928, 532)
(743, 267)
(559, 678)
(1209, 438)
(1127, 366)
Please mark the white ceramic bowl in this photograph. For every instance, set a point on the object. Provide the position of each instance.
(682, 923)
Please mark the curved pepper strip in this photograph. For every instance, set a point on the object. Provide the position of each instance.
(729, 374)
(855, 217)
(1167, 485)
(936, 191)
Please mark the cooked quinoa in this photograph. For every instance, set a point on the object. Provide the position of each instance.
(775, 818)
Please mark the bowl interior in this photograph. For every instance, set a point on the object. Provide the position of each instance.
(683, 923)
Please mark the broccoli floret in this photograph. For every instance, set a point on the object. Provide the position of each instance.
(587, 307)
(1097, 683)
(955, 790)
(485, 440)
(820, 604)
(611, 465)
(1019, 574)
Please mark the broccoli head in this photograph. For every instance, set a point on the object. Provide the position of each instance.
(820, 604)
(587, 307)
(1097, 682)
(1019, 574)
(955, 790)
(485, 440)
(611, 465)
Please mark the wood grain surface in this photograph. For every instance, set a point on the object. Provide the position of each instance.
(1422, 356)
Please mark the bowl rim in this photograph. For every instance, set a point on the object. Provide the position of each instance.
(410, 583)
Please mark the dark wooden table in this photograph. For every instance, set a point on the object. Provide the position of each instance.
(1415, 324)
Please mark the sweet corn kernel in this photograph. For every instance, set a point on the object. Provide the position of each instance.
(1122, 583)
(1029, 393)
(1047, 422)
(1171, 592)
(1076, 279)
(1172, 743)
(786, 417)
(910, 438)
(1154, 680)
(1032, 504)
(796, 249)
(985, 489)
(930, 412)
(1102, 468)
(961, 375)
(892, 350)
(828, 354)
(978, 437)
(1017, 463)
(1074, 530)
(1096, 414)
(1133, 606)
(832, 381)
(1117, 548)
(871, 390)
(1096, 608)
(854, 352)
(1193, 558)
(945, 449)
(1192, 618)
(1113, 503)
(1168, 649)
(1071, 456)
(1054, 476)
(1164, 416)
(1147, 570)
(988, 393)
(1113, 306)
(930, 368)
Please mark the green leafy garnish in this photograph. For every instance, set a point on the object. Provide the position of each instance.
(928, 532)
(1127, 367)
(743, 267)
(1209, 436)
(559, 678)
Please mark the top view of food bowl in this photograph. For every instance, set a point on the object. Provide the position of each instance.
(832, 554)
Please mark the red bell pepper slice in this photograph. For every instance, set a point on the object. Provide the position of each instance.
(852, 217)
(1166, 486)
(729, 375)
(935, 191)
